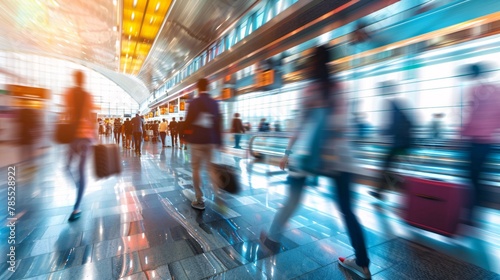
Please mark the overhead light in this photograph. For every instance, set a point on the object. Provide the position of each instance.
(134, 4)
(133, 16)
(114, 2)
(157, 7)
(151, 20)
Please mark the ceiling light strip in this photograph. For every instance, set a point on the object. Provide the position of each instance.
(134, 58)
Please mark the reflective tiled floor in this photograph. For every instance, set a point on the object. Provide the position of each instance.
(140, 225)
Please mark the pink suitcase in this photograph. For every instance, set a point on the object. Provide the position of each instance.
(434, 205)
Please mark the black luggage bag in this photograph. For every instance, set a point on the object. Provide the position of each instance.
(107, 160)
(227, 178)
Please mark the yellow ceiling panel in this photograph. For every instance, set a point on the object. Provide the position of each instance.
(124, 60)
(143, 48)
(133, 15)
(142, 24)
(158, 7)
(139, 4)
(131, 28)
(128, 46)
(153, 20)
(149, 32)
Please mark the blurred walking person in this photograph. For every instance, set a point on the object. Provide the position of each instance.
(182, 134)
(172, 126)
(77, 98)
(400, 131)
(163, 128)
(117, 130)
(129, 130)
(238, 129)
(336, 161)
(204, 135)
(480, 126)
(137, 128)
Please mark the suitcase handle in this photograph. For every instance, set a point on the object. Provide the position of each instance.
(433, 198)
(434, 179)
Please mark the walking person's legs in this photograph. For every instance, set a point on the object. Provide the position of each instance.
(237, 139)
(138, 140)
(197, 159)
(271, 239)
(360, 263)
(294, 195)
(162, 137)
(81, 147)
(381, 185)
(478, 154)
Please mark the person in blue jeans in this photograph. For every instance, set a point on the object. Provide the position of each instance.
(337, 163)
(238, 129)
(78, 107)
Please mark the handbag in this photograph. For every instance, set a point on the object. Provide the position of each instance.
(65, 132)
(310, 146)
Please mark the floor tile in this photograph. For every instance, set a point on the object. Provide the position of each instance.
(140, 225)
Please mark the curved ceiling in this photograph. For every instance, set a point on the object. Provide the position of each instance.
(189, 28)
(87, 32)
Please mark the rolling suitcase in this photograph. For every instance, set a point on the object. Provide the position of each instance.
(168, 141)
(434, 205)
(227, 178)
(107, 160)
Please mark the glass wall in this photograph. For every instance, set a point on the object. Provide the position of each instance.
(430, 83)
(56, 75)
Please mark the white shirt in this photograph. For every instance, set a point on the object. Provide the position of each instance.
(163, 126)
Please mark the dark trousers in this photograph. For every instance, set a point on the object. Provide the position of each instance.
(478, 154)
(174, 137)
(392, 155)
(117, 137)
(138, 141)
(343, 188)
(163, 135)
(237, 139)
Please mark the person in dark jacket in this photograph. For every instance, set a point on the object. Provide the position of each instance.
(400, 132)
(129, 131)
(263, 126)
(155, 126)
(172, 126)
(203, 129)
(117, 129)
(137, 124)
(238, 129)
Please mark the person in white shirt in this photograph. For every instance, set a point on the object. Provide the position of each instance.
(163, 131)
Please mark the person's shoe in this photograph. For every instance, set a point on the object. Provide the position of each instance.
(350, 264)
(376, 195)
(74, 216)
(270, 245)
(200, 205)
